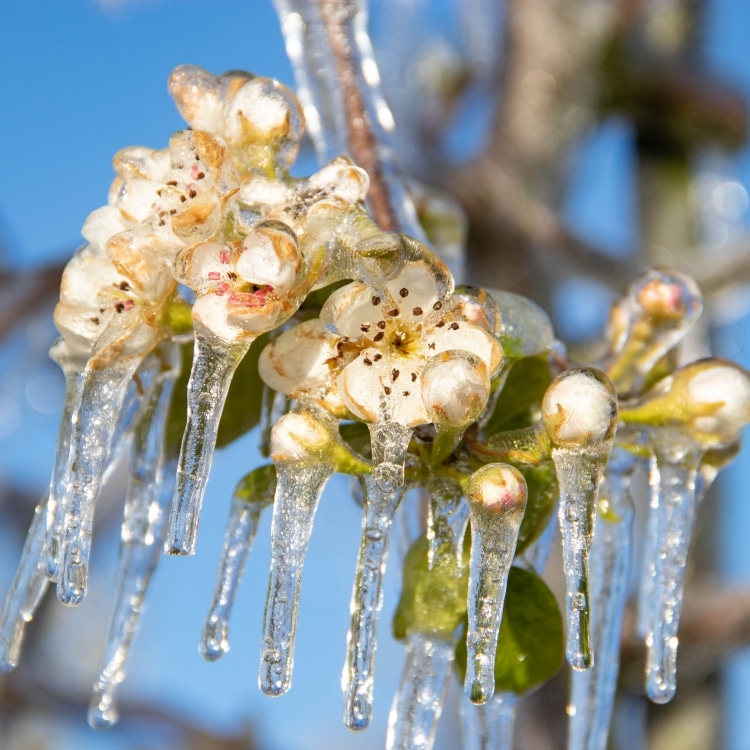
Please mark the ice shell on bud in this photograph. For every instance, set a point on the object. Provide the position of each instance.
(667, 295)
(499, 488)
(100, 225)
(270, 255)
(196, 93)
(141, 162)
(455, 388)
(299, 437)
(580, 408)
(729, 385)
(343, 179)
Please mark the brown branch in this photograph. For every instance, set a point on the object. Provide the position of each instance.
(362, 141)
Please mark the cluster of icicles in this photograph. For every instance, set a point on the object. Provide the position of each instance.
(212, 240)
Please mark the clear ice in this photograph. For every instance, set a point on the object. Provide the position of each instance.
(418, 702)
(142, 536)
(94, 423)
(489, 726)
(214, 364)
(497, 500)
(447, 519)
(382, 491)
(298, 491)
(239, 536)
(593, 690)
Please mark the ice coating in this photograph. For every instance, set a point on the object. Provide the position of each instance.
(447, 520)
(579, 412)
(496, 495)
(142, 536)
(593, 690)
(417, 704)
(489, 726)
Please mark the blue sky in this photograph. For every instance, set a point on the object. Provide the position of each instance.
(81, 81)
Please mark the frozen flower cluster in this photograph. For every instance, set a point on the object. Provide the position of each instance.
(376, 365)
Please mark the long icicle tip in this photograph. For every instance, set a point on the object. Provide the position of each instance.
(579, 412)
(497, 500)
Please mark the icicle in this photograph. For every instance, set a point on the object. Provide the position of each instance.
(26, 591)
(418, 701)
(489, 726)
(496, 496)
(383, 490)
(579, 412)
(593, 690)
(251, 496)
(142, 538)
(367, 599)
(677, 471)
(93, 428)
(214, 364)
(301, 446)
(647, 580)
(447, 519)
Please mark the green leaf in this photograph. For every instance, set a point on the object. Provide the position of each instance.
(257, 486)
(530, 647)
(432, 601)
(519, 401)
(357, 436)
(540, 505)
(241, 410)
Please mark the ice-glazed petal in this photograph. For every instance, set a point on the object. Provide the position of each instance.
(270, 255)
(305, 359)
(377, 384)
(100, 225)
(415, 290)
(141, 162)
(342, 179)
(204, 266)
(418, 702)
(455, 386)
(449, 335)
(137, 199)
(354, 310)
(478, 307)
(496, 494)
(197, 94)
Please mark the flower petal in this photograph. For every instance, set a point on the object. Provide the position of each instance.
(458, 334)
(353, 310)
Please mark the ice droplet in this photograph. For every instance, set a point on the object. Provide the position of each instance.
(579, 412)
(489, 726)
(142, 537)
(94, 424)
(382, 491)
(298, 491)
(239, 535)
(496, 496)
(214, 364)
(593, 690)
(418, 702)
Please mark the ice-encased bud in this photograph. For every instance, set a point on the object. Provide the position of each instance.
(497, 500)
(259, 118)
(298, 437)
(709, 397)
(455, 388)
(270, 255)
(646, 324)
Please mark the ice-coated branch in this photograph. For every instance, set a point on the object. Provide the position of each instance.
(579, 412)
(496, 495)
